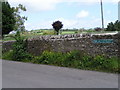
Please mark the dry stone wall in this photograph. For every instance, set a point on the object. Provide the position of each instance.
(7, 45)
(89, 43)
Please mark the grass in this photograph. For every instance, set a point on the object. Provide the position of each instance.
(68, 32)
(8, 39)
(73, 59)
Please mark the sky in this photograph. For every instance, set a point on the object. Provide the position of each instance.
(72, 13)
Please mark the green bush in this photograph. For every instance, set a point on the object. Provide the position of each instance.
(112, 64)
(76, 32)
(105, 64)
(77, 59)
(86, 62)
(49, 58)
(74, 59)
(98, 62)
(19, 49)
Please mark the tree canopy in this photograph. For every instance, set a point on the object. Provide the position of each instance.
(113, 26)
(11, 18)
(8, 19)
(20, 20)
(57, 25)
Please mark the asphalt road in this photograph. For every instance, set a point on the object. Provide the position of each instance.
(26, 75)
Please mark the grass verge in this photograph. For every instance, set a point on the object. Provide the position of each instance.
(73, 59)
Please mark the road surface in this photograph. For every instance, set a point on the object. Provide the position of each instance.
(26, 75)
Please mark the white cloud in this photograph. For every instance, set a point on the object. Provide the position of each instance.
(82, 14)
(38, 25)
(96, 22)
(67, 23)
(90, 1)
(48, 24)
(36, 5)
(44, 5)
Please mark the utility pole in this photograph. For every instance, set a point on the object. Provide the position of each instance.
(102, 15)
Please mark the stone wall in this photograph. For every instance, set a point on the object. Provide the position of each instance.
(7, 45)
(91, 44)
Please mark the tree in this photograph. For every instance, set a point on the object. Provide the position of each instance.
(19, 48)
(117, 25)
(98, 29)
(8, 19)
(113, 26)
(110, 27)
(57, 25)
(20, 20)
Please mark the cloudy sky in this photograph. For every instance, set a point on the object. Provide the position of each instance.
(73, 13)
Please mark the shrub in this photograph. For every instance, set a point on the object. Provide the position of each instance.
(50, 58)
(98, 62)
(76, 32)
(72, 59)
(98, 29)
(19, 48)
(86, 62)
(112, 64)
(105, 64)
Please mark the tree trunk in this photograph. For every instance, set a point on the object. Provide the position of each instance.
(57, 32)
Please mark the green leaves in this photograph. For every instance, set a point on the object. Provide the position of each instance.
(11, 18)
(113, 26)
(76, 59)
(73, 59)
(19, 48)
(19, 25)
(8, 19)
(22, 7)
